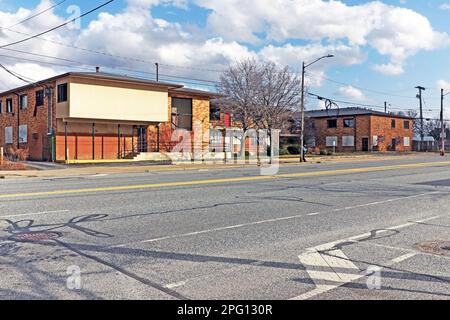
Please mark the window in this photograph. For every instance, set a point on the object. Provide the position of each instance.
(9, 105)
(182, 113)
(8, 135)
(1, 107)
(349, 123)
(62, 92)
(23, 101)
(406, 125)
(348, 141)
(407, 141)
(39, 98)
(331, 141)
(23, 133)
(214, 114)
(332, 123)
(393, 123)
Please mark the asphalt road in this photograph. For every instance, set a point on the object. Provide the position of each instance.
(363, 230)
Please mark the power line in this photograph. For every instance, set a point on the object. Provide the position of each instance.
(59, 26)
(82, 66)
(37, 14)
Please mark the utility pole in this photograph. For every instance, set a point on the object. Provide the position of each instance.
(385, 107)
(419, 96)
(442, 124)
(157, 71)
(302, 111)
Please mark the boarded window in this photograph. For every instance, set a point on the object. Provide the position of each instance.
(375, 141)
(348, 141)
(407, 141)
(331, 141)
(8, 135)
(182, 113)
(23, 133)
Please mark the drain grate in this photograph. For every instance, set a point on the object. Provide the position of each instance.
(441, 248)
(36, 236)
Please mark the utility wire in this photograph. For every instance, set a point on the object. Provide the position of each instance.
(37, 14)
(59, 26)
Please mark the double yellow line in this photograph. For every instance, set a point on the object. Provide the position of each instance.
(226, 180)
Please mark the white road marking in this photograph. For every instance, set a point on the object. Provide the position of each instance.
(175, 285)
(339, 269)
(404, 257)
(32, 214)
(190, 234)
(313, 214)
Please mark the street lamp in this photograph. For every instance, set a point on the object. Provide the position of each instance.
(442, 122)
(302, 134)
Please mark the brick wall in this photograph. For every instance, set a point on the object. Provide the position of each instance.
(366, 127)
(38, 143)
(382, 128)
(200, 115)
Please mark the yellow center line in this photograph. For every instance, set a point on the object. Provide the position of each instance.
(226, 180)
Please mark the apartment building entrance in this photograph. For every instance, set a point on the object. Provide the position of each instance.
(365, 144)
(142, 140)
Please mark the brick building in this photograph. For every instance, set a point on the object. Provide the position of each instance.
(358, 129)
(95, 116)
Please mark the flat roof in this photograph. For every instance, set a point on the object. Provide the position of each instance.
(347, 112)
(111, 76)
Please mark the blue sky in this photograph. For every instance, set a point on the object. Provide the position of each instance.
(389, 47)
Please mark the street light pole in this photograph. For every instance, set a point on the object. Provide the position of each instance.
(302, 111)
(442, 123)
(302, 105)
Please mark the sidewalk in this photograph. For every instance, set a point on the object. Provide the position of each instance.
(89, 170)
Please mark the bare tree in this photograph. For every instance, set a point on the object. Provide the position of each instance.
(260, 95)
(239, 85)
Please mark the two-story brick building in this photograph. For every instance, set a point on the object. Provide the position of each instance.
(95, 116)
(359, 129)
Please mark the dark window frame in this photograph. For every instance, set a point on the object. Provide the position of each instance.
(186, 116)
(1, 106)
(21, 97)
(40, 98)
(330, 121)
(393, 124)
(9, 105)
(63, 92)
(406, 125)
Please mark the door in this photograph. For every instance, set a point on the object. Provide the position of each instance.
(394, 144)
(142, 140)
(365, 144)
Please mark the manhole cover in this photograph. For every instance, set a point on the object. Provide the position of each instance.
(36, 236)
(441, 248)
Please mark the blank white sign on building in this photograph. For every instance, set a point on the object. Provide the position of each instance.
(331, 141)
(348, 141)
(8, 135)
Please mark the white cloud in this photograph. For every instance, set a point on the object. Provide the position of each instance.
(392, 31)
(445, 6)
(351, 93)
